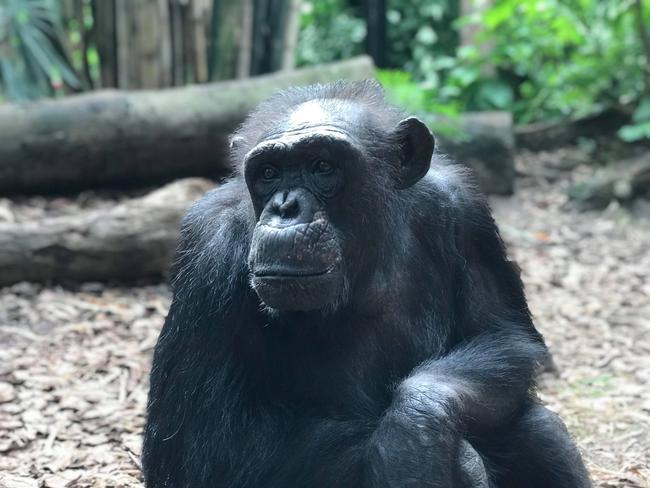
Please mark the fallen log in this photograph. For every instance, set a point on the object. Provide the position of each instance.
(622, 182)
(543, 136)
(129, 138)
(135, 239)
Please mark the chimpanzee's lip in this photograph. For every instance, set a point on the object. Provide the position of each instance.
(280, 273)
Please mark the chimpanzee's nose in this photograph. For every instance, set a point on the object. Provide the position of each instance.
(292, 207)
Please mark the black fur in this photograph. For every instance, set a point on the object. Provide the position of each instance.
(420, 375)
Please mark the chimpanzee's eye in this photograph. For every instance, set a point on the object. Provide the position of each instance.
(269, 173)
(323, 168)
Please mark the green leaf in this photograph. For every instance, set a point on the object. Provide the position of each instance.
(426, 35)
(22, 16)
(636, 132)
(494, 94)
(33, 59)
(642, 112)
(500, 13)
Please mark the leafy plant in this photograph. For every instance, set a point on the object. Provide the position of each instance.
(330, 31)
(419, 32)
(32, 60)
(542, 59)
(563, 57)
(419, 99)
(640, 127)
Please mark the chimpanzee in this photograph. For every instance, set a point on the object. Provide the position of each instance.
(344, 315)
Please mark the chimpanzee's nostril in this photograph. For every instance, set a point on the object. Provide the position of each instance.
(289, 208)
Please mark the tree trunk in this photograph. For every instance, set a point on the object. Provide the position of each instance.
(135, 239)
(470, 31)
(269, 25)
(189, 30)
(121, 138)
(178, 24)
(144, 48)
(229, 39)
(291, 35)
(376, 39)
(105, 37)
(200, 13)
(243, 68)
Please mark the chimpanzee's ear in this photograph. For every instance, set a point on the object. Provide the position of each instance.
(416, 146)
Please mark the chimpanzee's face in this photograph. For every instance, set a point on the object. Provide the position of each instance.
(296, 178)
(312, 185)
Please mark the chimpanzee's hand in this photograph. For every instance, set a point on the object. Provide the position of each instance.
(416, 444)
(411, 449)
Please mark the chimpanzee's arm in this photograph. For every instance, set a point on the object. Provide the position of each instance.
(480, 384)
(193, 383)
(486, 377)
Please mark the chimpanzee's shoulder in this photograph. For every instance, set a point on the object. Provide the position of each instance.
(215, 235)
(450, 189)
(222, 216)
(226, 204)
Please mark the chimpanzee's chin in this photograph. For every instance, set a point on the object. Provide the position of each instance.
(298, 293)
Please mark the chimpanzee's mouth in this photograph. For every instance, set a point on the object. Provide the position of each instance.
(290, 273)
(297, 288)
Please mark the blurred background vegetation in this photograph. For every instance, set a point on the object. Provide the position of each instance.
(543, 60)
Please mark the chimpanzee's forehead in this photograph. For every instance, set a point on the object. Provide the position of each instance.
(329, 115)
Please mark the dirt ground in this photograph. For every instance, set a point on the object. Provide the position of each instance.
(74, 362)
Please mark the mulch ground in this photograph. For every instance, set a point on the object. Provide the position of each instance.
(74, 362)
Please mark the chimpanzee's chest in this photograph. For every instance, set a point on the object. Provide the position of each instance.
(338, 370)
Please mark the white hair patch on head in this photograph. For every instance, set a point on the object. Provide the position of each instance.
(310, 113)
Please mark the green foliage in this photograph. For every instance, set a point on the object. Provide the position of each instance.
(412, 95)
(640, 127)
(32, 61)
(542, 59)
(329, 31)
(418, 99)
(563, 57)
(420, 32)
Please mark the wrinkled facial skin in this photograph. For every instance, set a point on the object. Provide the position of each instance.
(296, 256)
